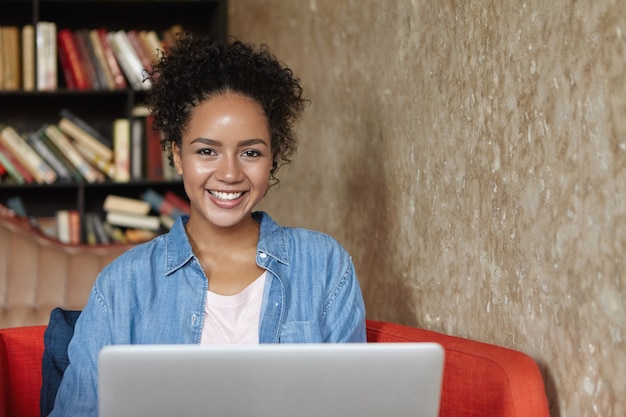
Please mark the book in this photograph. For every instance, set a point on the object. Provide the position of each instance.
(152, 44)
(85, 138)
(127, 58)
(138, 47)
(16, 204)
(153, 151)
(63, 143)
(98, 225)
(91, 238)
(63, 225)
(46, 56)
(178, 201)
(103, 165)
(75, 74)
(43, 149)
(160, 205)
(101, 60)
(88, 60)
(13, 172)
(116, 70)
(14, 167)
(11, 58)
(76, 176)
(28, 57)
(119, 203)
(138, 154)
(75, 228)
(133, 221)
(121, 149)
(82, 124)
(16, 143)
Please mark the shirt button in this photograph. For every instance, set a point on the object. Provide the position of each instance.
(262, 255)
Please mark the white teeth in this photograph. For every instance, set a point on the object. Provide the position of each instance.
(226, 196)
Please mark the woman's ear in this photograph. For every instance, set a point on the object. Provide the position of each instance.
(176, 156)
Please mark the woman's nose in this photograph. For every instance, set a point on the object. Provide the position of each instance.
(229, 169)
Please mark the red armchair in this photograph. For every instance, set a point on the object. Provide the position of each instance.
(479, 379)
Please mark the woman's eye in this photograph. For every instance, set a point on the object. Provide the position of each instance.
(251, 153)
(206, 152)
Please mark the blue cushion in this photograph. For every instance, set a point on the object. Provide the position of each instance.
(56, 338)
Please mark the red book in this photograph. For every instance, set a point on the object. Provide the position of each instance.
(75, 227)
(154, 158)
(69, 47)
(118, 75)
(28, 177)
(2, 169)
(177, 201)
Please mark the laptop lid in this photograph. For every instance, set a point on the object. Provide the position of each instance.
(304, 380)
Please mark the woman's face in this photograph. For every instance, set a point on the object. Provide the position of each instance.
(225, 159)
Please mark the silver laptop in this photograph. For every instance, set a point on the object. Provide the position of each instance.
(303, 380)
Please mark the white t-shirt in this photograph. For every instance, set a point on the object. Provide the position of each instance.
(234, 319)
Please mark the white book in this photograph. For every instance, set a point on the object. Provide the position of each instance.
(134, 221)
(128, 59)
(114, 202)
(46, 52)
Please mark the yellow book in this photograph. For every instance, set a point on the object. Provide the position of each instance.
(82, 136)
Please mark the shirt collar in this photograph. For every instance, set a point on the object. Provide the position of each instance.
(272, 242)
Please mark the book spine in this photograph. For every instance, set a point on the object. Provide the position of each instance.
(15, 143)
(105, 166)
(34, 140)
(68, 46)
(154, 161)
(118, 75)
(75, 229)
(128, 59)
(133, 220)
(123, 204)
(28, 57)
(137, 45)
(83, 137)
(98, 224)
(63, 226)
(101, 61)
(11, 169)
(160, 204)
(88, 59)
(12, 161)
(60, 155)
(121, 149)
(46, 52)
(63, 143)
(11, 58)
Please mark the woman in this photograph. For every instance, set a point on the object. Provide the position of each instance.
(225, 273)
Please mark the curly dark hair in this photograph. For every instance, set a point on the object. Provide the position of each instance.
(197, 68)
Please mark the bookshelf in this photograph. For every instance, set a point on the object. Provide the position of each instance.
(29, 110)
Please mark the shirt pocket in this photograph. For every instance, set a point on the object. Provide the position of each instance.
(301, 332)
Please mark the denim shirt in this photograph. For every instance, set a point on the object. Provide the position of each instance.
(155, 293)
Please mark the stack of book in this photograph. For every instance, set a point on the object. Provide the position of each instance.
(70, 149)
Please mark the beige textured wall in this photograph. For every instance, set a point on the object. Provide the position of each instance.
(471, 155)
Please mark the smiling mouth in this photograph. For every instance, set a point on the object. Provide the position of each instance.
(225, 196)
